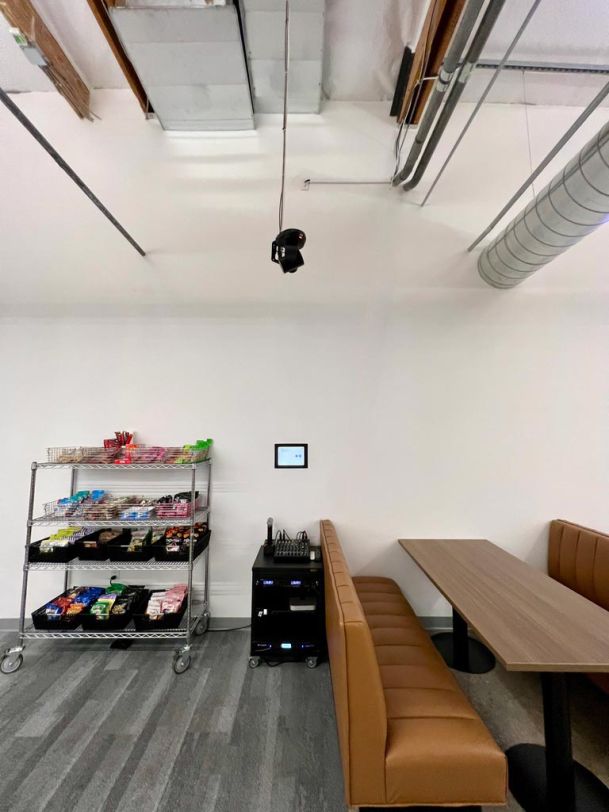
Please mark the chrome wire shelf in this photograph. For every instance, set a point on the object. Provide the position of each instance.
(111, 466)
(131, 634)
(168, 634)
(80, 521)
(79, 566)
(193, 625)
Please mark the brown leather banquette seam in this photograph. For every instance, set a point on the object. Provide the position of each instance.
(578, 557)
(407, 734)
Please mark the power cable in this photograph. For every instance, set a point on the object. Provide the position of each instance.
(286, 67)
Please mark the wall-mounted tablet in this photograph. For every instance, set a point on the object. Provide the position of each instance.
(291, 455)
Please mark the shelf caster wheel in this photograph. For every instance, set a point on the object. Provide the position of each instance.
(181, 663)
(254, 662)
(11, 663)
(311, 662)
(203, 624)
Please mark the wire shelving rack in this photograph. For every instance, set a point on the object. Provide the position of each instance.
(193, 624)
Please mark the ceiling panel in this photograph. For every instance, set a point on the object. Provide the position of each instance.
(364, 42)
(191, 62)
(264, 23)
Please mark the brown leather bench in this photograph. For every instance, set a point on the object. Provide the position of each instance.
(408, 735)
(578, 557)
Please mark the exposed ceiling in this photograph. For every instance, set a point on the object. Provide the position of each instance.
(364, 41)
(191, 64)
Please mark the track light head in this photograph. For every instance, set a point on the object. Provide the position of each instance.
(286, 249)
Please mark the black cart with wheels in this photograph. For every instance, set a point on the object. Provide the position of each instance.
(288, 619)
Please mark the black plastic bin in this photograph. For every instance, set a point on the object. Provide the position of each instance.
(118, 551)
(60, 555)
(101, 551)
(117, 622)
(169, 621)
(201, 544)
(61, 624)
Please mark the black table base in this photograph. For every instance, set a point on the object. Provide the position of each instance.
(527, 771)
(547, 779)
(462, 652)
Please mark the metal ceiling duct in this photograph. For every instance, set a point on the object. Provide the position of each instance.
(572, 205)
(264, 22)
(190, 58)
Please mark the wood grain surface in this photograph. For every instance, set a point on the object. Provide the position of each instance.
(59, 69)
(528, 620)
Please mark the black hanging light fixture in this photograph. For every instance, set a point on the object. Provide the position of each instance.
(287, 245)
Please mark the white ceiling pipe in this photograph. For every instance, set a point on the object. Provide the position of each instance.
(572, 205)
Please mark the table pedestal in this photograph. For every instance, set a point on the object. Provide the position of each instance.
(547, 779)
(462, 652)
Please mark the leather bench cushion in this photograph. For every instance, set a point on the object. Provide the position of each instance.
(359, 700)
(389, 621)
(439, 761)
(373, 583)
(579, 558)
(389, 605)
(393, 636)
(427, 703)
(438, 748)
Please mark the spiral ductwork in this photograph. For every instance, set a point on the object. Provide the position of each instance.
(572, 205)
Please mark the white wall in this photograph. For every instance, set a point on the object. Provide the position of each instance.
(433, 406)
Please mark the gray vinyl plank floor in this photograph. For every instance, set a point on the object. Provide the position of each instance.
(87, 729)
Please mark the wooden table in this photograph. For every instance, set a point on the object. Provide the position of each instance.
(531, 623)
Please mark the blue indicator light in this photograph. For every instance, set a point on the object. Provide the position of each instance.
(295, 583)
(267, 582)
(286, 645)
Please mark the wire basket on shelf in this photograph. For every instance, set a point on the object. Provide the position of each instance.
(141, 455)
(70, 455)
(182, 456)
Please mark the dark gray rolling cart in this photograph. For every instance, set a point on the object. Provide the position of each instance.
(288, 617)
(193, 622)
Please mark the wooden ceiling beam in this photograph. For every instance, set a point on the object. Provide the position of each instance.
(21, 14)
(444, 34)
(438, 29)
(100, 12)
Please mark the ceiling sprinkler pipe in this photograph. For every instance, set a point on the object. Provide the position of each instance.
(479, 41)
(572, 205)
(441, 85)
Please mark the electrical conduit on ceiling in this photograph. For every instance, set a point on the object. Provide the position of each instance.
(441, 85)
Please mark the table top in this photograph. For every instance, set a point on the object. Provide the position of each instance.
(529, 621)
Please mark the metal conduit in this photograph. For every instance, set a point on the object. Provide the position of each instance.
(441, 85)
(473, 54)
(485, 93)
(572, 205)
(35, 132)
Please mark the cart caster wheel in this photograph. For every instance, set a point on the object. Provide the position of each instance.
(11, 663)
(203, 624)
(181, 663)
(254, 662)
(311, 662)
